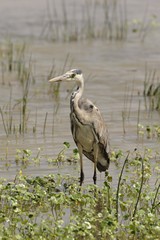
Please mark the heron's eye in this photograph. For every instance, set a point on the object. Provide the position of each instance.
(73, 75)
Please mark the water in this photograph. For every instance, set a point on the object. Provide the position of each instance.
(114, 72)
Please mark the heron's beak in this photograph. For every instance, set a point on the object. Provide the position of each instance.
(58, 79)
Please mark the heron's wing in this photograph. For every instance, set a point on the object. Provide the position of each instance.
(92, 116)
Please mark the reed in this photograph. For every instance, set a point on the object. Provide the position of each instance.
(138, 117)
(128, 99)
(35, 125)
(154, 204)
(123, 122)
(54, 89)
(3, 121)
(45, 122)
(3, 72)
(7, 116)
(10, 53)
(119, 184)
(9, 110)
(24, 101)
(151, 89)
(107, 20)
(140, 189)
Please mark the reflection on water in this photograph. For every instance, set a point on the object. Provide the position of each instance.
(114, 72)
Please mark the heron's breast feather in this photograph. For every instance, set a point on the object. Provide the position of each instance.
(85, 137)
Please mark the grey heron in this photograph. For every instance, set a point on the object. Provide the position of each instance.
(87, 125)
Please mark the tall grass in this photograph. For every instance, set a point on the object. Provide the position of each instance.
(14, 62)
(91, 20)
(24, 101)
(152, 88)
(128, 99)
(88, 20)
(8, 112)
(15, 113)
(7, 115)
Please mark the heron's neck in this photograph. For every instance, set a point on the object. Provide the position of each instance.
(80, 89)
(76, 96)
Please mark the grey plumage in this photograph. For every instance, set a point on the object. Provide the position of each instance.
(87, 125)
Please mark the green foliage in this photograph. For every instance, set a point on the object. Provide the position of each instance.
(24, 157)
(61, 157)
(56, 207)
(149, 131)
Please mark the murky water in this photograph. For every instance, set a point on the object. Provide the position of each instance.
(114, 72)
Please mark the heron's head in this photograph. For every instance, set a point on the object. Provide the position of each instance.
(72, 75)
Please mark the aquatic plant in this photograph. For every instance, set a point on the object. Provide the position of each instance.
(149, 131)
(8, 111)
(63, 26)
(24, 157)
(145, 25)
(13, 59)
(61, 157)
(128, 98)
(7, 116)
(56, 207)
(152, 88)
(107, 20)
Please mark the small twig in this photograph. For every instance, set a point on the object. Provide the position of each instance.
(155, 197)
(5, 129)
(138, 117)
(140, 190)
(118, 187)
(45, 121)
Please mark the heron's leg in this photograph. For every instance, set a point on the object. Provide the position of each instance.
(81, 164)
(95, 149)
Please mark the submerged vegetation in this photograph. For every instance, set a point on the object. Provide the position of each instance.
(56, 207)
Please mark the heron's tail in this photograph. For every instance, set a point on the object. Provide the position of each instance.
(103, 159)
(103, 162)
